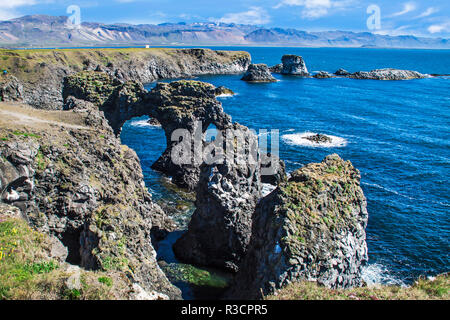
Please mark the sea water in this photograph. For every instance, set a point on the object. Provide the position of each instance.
(397, 133)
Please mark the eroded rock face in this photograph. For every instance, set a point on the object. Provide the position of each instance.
(258, 73)
(220, 228)
(387, 74)
(294, 65)
(310, 228)
(86, 189)
(10, 89)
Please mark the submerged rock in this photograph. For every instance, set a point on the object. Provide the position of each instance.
(322, 75)
(223, 91)
(258, 73)
(387, 74)
(311, 228)
(319, 138)
(294, 65)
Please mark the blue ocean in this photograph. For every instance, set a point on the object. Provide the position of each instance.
(397, 133)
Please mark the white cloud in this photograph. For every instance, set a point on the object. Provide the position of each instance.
(407, 7)
(314, 8)
(438, 28)
(8, 8)
(427, 12)
(10, 4)
(255, 15)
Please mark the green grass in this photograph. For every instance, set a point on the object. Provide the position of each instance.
(25, 134)
(106, 281)
(40, 161)
(423, 289)
(27, 272)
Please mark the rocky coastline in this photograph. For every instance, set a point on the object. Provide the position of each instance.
(36, 76)
(65, 173)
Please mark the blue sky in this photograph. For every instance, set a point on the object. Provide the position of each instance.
(421, 18)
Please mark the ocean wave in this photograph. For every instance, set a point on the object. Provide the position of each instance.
(142, 124)
(377, 274)
(299, 139)
(375, 185)
(226, 95)
(266, 189)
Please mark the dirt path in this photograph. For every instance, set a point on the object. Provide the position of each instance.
(11, 114)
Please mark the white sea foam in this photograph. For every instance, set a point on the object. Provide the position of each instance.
(142, 124)
(377, 274)
(267, 188)
(299, 139)
(225, 95)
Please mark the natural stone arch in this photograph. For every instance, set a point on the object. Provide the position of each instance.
(177, 105)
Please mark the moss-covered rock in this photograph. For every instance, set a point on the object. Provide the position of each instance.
(29, 270)
(312, 227)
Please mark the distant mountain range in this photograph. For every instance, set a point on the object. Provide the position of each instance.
(50, 31)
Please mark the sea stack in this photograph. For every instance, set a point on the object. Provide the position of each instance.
(258, 73)
(311, 228)
(294, 65)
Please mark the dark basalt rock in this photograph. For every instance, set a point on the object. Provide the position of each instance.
(190, 105)
(294, 65)
(319, 138)
(220, 228)
(276, 68)
(387, 74)
(258, 73)
(278, 169)
(323, 75)
(153, 122)
(342, 72)
(223, 91)
(311, 228)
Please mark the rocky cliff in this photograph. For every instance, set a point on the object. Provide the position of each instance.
(226, 197)
(72, 179)
(38, 74)
(311, 228)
